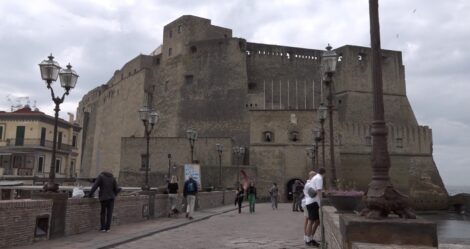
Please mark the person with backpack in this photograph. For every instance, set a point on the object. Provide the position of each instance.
(189, 192)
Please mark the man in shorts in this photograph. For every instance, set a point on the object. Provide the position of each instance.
(313, 192)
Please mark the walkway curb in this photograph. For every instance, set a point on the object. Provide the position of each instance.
(111, 244)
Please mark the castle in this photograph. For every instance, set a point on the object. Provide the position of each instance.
(258, 96)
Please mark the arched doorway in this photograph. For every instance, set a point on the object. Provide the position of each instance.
(289, 193)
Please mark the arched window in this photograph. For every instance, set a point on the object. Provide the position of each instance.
(268, 136)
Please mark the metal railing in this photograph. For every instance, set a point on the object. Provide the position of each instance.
(37, 143)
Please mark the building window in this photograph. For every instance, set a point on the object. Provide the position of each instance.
(143, 161)
(171, 33)
(268, 136)
(252, 86)
(43, 137)
(19, 139)
(189, 79)
(193, 49)
(294, 136)
(74, 141)
(59, 140)
(57, 165)
(1, 132)
(72, 168)
(180, 28)
(368, 140)
(41, 164)
(399, 142)
(169, 51)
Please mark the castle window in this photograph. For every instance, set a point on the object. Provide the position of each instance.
(252, 86)
(169, 51)
(294, 136)
(399, 142)
(180, 28)
(170, 34)
(189, 79)
(368, 140)
(193, 49)
(268, 136)
(225, 36)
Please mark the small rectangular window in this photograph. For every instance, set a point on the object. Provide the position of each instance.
(1, 132)
(40, 164)
(59, 140)
(169, 51)
(399, 142)
(189, 79)
(180, 28)
(43, 137)
(74, 141)
(57, 165)
(170, 34)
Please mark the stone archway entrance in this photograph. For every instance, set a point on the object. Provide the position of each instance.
(289, 193)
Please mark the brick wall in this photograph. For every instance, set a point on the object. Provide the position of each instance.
(18, 220)
(83, 215)
(18, 217)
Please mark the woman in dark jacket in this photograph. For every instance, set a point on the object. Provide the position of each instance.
(239, 198)
(172, 195)
(251, 192)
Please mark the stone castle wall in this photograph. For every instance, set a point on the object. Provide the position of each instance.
(225, 87)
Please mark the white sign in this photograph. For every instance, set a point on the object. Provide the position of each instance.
(193, 170)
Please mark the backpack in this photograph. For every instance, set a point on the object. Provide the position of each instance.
(191, 187)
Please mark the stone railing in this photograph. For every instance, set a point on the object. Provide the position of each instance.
(25, 221)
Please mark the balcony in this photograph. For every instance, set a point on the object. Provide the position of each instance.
(37, 143)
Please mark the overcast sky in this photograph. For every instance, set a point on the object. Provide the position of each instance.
(98, 37)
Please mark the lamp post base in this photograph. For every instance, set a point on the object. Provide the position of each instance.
(382, 199)
(51, 187)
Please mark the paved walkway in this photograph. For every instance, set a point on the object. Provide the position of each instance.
(215, 228)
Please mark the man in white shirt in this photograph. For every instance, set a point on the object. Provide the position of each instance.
(313, 191)
(311, 174)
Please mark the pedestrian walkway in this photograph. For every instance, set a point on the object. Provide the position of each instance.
(125, 233)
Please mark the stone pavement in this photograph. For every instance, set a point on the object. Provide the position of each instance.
(266, 228)
(221, 227)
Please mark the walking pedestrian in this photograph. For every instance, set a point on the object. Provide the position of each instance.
(313, 198)
(107, 193)
(297, 188)
(311, 174)
(172, 196)
(274, 192)
(251, 192)
(239, 197)
(189, 192)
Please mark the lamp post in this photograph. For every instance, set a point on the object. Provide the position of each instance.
(239, 151)
(311, 153)
(328, 63)
(317, 139)
(381, 198)
(50, 70)
(322, 112)
(191, 134)
(220, 149)
(149, 118)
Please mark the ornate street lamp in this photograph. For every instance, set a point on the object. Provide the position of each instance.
(239, 151)
(311, 153)
(50, 70)
(328, 64)
(191, 134)
(381, 198)
(149, 118)
(220, 149)
(322, 113)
